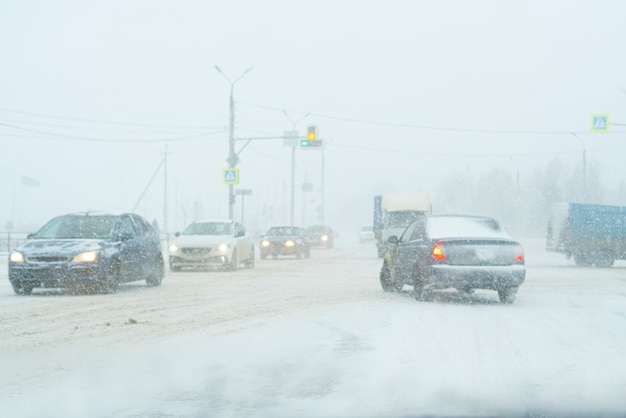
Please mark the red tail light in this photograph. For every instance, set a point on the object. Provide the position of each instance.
(437, 252)
(519, 258)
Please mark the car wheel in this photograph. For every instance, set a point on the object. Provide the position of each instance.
(111, 282)
(250, 261)
(418, 290)
(307, 253)
(234, 263)
(605, 260)
(158, 271)
(263, 256)
(582, 260)
(507, 295)
(22, 289)
(387, 282)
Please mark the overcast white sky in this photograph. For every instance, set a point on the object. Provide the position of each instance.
(78, 80)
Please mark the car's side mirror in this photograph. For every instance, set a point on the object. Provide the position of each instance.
(393, 240)
(125, 236)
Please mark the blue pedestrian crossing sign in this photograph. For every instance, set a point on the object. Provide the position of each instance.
(231, 176)
(599, 123)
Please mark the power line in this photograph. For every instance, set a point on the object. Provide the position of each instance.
(428, 127)
(108, 140)
(105, 122)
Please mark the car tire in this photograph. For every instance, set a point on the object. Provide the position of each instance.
(507, 295)
(307, 253)
(158, 271)
(418, 290)
(250, 261)
(387, 282)
(111, 282)
(263, 255)
(22, 289)
(605, 261)
(234, 263)
(582, 260)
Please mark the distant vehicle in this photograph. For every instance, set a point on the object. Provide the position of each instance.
(591, 234)
(461, 252)
(285, 240)
(204, 244)
(366, 234)
(321, 236)
(395, 211)
(96, 251)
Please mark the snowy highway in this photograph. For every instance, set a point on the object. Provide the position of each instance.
(319, 337)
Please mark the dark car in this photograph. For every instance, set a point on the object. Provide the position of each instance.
(453, 251)
(321, 236)
(88, 251)
(285, 240)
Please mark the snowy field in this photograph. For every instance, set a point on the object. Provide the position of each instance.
(318, 337)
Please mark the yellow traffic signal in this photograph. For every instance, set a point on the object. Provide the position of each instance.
(312, 133)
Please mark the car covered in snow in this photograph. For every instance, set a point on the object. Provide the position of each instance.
(321, 236)
(454, 251)
(205, 244)
(88, 250)
(366, 234)
(285, 240)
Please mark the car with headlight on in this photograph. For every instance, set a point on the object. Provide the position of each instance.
(206, 244)
(285, 241)
(321, 236)
(88, 250)
(366, 234)
(454, 251)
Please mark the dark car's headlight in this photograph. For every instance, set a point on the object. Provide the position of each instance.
(173, 248)
(86, 257)
(16, 257)
(324, 238)
(265, 243)
(289, 243)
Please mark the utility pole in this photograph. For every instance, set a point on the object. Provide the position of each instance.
(232, 157)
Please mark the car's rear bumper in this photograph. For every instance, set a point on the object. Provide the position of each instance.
(475, 277)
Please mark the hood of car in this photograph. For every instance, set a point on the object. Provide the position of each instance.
(201, 240)
(40, 247)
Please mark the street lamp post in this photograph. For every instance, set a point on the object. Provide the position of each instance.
(232, 157)
(293, 162)
(584, 167)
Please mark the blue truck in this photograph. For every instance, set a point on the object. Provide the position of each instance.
(591, 234)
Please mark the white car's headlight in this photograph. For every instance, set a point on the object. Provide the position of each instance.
(223, 247)
(289, 243)
(324, 237)
(86, 257)
(16, 257)
(173, 248)
(265, 243)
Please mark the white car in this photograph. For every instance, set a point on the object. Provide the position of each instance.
(206, 244)
(366, 233)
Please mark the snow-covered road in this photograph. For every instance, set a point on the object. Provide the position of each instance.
(318, 337)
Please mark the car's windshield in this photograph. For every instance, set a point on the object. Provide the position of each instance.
(77, 227)
(281, 230)
(401, 219)
(208, 228)
(317, 229)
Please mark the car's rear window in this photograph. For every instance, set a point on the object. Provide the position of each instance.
(460, 227)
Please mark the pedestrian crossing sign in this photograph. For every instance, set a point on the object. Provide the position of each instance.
(231, 176)
(600, 123)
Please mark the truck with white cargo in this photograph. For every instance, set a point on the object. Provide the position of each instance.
(394, 212)
(591, 234)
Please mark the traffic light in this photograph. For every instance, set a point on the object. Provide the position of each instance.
(311, 133)
(311, 138)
